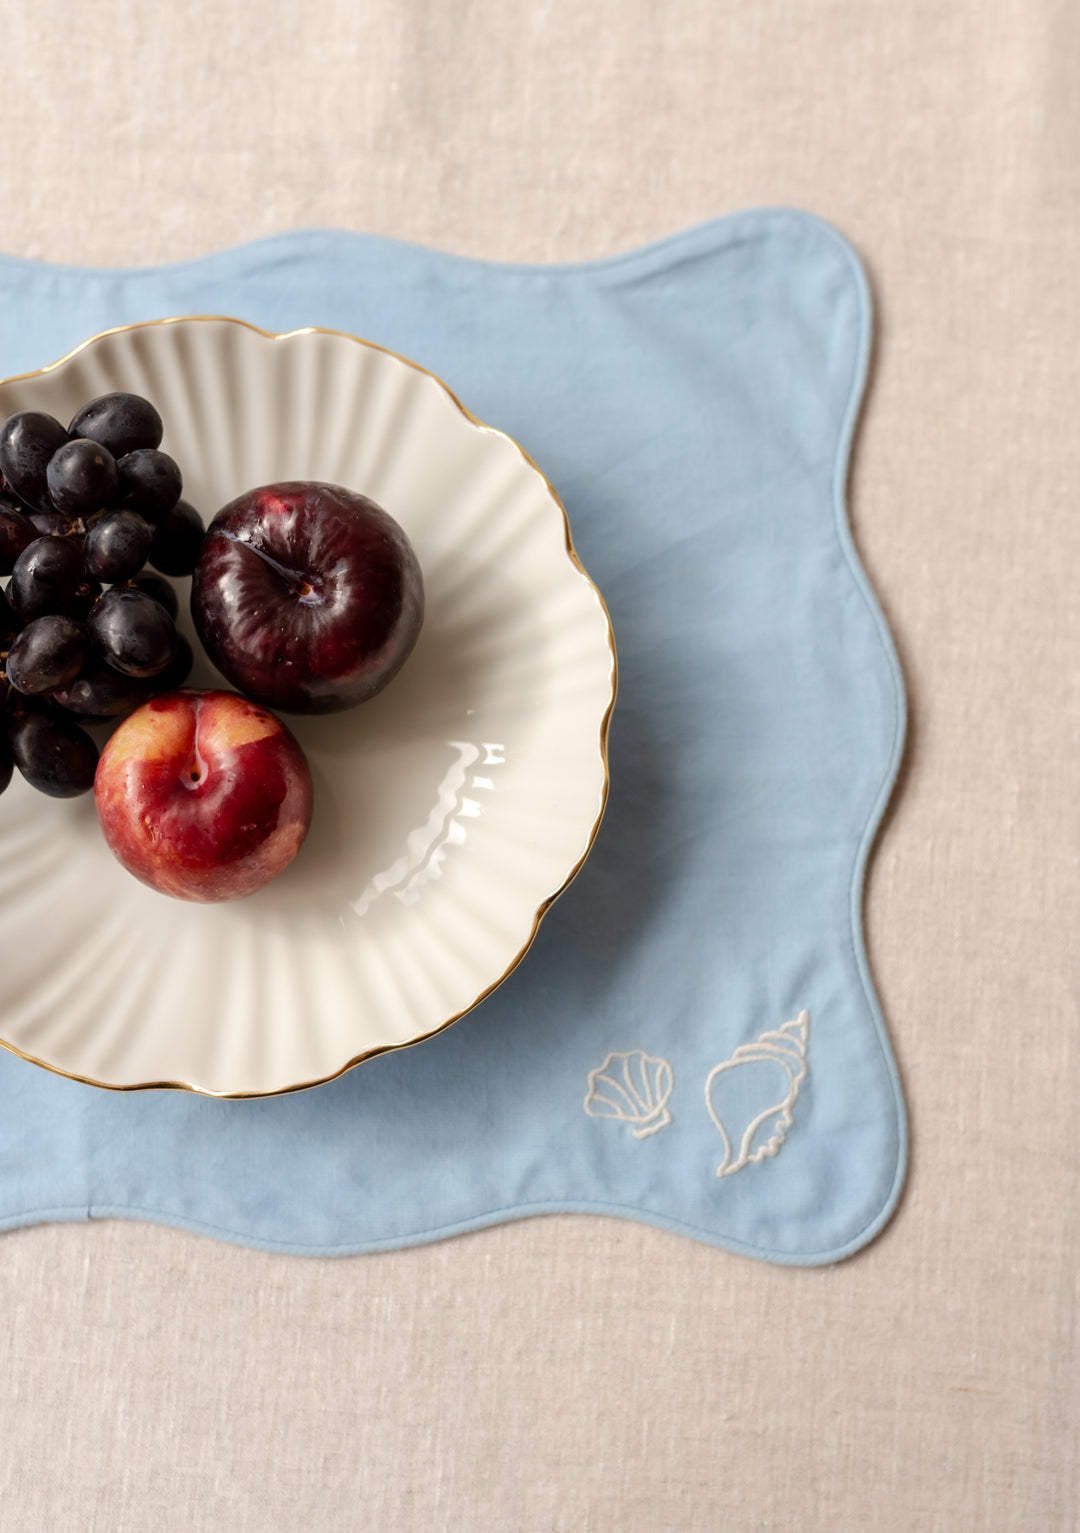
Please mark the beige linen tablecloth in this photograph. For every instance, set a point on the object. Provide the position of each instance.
(572, 1374)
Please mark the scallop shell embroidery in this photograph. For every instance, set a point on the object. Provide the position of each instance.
(632, 1088)
(751, 1096)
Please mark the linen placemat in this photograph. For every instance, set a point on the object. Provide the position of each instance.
(694, 1039)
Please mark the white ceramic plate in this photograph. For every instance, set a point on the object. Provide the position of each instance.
(449, 811)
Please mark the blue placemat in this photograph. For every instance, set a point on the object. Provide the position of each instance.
(694, 1039)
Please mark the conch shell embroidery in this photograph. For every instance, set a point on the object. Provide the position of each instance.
(634, 1088)
(751, 1096)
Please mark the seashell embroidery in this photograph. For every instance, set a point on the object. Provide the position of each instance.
(633, 1088)
(751, 1096)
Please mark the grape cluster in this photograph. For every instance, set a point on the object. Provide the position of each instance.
(87, 632)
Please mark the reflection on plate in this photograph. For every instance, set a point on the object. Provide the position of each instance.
(450, 810)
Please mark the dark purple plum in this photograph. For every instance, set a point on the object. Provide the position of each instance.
(82, 477)
(150, 482)
(178, 537)
(133, 631)
(48, 653)
(308, 597)
(27, 442)
(120, 422)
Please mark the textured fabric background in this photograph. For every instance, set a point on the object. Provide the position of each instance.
(577, 1375)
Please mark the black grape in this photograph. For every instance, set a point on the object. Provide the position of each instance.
(133, 631)
(6, 762)
(49, 652)
(17, 531)
(102, 693)
(116, 546)
(53, 753)
(86, 594)
(178, 537)
(159, 588)
(46, 578)
(120, 422)
(49, 524)
(177, 671)
(150, 482)
(82, 477)
(27, 442)
(9, 623)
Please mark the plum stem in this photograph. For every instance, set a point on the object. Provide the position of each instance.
(303, 588)
(197, 770)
